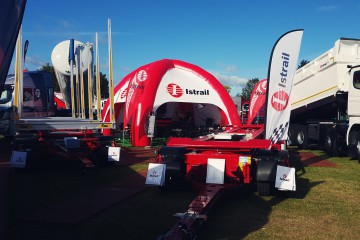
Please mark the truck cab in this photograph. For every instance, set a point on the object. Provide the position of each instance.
(38, 98)
(353, 110)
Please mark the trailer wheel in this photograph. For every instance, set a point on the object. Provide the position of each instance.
(358, 148)
(266, 169)
(292, 135)
(331, 146)
(302, 138)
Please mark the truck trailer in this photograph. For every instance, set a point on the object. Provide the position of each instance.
(234, 156)
(325, 103)
(30, 97)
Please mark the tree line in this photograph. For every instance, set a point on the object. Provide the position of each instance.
(104, 83)
(247, 90)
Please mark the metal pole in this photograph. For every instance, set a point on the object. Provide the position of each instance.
(72, 57)
(111, 79)
(18, 77)
(77, 87)
(90, 92)
(98, 93)
(82, 92)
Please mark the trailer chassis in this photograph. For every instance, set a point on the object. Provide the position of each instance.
(247, 162)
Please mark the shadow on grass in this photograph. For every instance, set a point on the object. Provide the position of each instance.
(57, 195)
(241, 213)
(146, 214)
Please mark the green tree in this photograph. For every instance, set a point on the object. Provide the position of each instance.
(247, 90)
(104, 86)
(48, 68)
(104, 83)
(228, 88)
(303, 63)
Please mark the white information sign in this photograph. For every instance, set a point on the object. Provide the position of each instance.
(18, 159)
(114, 154)
(156, 174)
(215, 171)
(285, 178)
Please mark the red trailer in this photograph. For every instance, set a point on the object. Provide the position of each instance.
(246, 155)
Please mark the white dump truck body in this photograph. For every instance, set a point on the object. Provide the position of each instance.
(324, 76)
(325, 101)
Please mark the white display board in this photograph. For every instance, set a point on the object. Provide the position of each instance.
(114, 154)
(18, 159)
(285, 178)
(215, 171)
(156, 174)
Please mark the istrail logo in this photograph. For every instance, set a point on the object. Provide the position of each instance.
(134, 85)
(284, 178)
(176, 91)
(154, 174)
(196, 92)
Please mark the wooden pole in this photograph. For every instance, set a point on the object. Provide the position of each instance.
(98, 93)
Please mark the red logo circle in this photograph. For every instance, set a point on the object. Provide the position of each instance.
(142, 75)
(263, 86)
(174, 90)
(279, 100)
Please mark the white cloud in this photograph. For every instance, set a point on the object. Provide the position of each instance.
(102, 35)
(227, 75)
(327, 8)
(66, 24)
(66, 29)
(235, 82)
(35, 63)
(227, 68)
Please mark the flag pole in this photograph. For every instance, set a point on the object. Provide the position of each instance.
(18, 85)
(71, 58)
(82, 92)
(90, 92)
(98, 93)
(111, 79)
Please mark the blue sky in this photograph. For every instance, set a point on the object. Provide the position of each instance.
(232, 39)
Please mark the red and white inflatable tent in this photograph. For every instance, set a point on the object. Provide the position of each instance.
(170, 85)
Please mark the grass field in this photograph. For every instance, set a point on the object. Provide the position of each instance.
(325, 206)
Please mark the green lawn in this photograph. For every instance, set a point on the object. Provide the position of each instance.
(325, 206)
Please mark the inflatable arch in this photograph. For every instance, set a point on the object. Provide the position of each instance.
(168, 87)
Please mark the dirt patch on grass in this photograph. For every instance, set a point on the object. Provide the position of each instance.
(309, 159)
(135, 155)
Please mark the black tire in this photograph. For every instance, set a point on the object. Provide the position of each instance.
(290, 140)
(266, 170)
(302, 138)
(327, 143)
(330, 144)
(353, 145)
(265, 188)
(357, 147)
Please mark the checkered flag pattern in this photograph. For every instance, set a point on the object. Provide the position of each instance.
(278, 133)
